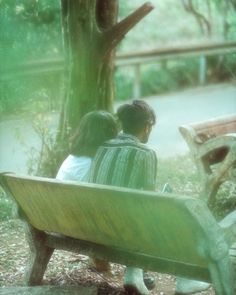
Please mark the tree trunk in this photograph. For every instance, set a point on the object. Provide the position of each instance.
(91, 34)
(89, 58)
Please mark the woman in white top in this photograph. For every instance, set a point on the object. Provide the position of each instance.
(94, 129)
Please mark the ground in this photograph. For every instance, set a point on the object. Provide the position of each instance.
(65, 268)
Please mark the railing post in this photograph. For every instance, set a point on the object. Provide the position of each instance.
(137, 82)
(202, 69)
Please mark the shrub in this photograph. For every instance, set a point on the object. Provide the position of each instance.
(124, 83)
(6, 206)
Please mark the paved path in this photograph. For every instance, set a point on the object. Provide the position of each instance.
(188, 106)
(172, 111)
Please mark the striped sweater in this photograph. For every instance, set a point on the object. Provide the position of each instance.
(126, 162)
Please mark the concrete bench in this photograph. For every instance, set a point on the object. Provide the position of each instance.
(212, 144)
(159, 232)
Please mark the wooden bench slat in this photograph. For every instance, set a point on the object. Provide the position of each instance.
(108, 216)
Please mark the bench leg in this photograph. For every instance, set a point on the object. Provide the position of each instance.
(222, 277)
(40, 255)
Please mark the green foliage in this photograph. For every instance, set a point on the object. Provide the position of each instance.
(158, 30)
(174, 75)
(5, 210)
(160, 77)
(45, 161)
(124, 83)
(31, 94)
(6, 207)
(182, 175)
(225, 201)
(155, 80)
(32, 31)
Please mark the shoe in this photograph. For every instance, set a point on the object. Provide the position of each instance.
(133, 281)
(149, 281)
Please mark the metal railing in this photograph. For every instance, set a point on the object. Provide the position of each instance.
(133, 59)
(137, 59)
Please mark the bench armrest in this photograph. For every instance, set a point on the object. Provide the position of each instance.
(188, 134)
(228, 224)
(227, 140)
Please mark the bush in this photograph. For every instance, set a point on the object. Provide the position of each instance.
(173, 75)
(182, 175)
(124, 83)
(31, 94)
(158, 78)
(225, 201)
(6, 207)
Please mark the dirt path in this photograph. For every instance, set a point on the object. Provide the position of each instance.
(65, 268)
(184, 107)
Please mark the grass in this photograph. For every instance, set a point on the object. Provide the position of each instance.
(181, 174)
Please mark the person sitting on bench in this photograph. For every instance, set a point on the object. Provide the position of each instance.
(127, 161)
(94, 129)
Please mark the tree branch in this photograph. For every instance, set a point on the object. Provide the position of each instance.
(200, 18)
(113, 36)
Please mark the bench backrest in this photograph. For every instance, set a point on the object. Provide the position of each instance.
(173, 227)
(205, 130)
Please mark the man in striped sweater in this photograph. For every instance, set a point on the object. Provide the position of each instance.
(127, 161)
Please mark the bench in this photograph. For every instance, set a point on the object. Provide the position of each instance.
(212, 144)
(159, 232)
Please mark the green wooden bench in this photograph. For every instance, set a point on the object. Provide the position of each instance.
(154, 231)
(212, 144)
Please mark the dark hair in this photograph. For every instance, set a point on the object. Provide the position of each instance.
(94, 129)
(135, 116)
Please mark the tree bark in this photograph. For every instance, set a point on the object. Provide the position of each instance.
(92, 33)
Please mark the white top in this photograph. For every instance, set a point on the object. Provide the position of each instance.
(74, 168)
